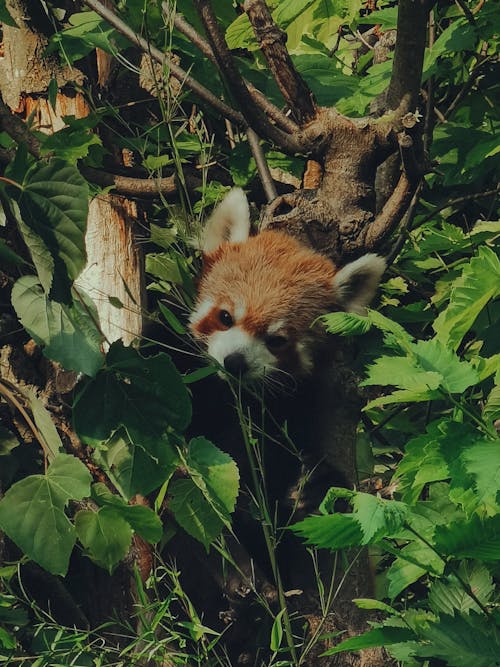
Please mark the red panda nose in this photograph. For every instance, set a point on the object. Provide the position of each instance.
(236, 364)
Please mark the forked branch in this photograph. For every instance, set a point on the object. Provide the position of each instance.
(253, 114)
(272, 41)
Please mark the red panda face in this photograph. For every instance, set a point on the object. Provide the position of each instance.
(259, 296)
(257, 301)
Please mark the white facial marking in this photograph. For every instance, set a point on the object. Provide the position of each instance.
(305, 357)
(239, 310)
(274, 327)
(258, 357)
(201, 311)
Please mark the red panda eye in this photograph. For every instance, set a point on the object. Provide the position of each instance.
(225, 318)
(276, 343)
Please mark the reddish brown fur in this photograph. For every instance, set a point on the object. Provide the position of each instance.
(274, 276)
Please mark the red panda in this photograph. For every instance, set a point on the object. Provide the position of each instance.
(259, 295)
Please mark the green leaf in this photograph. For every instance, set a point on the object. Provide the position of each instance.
(346, 324)
(476, 286)
(137, 462)
(163, 266)
(192, 511)
(44, 423)
(68, 334)
(53, 202)
(378, 517)
(105, 535)
(384, 636)
(145, 395)
(482, 461)
(461, 641)
(70, 144)
(5, 16)
(32, 512)
(141, 519)
(491, 410)
(325, 80)
(473, 538)
(277, 631)
(448, 595)
(217, 470)
(334, 531)
(433, 356)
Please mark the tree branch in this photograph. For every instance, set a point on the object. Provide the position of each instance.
(137, 187)
(404, 86)
(18, 130)
(399, 201)
(262, 166)
(272, 43)
(176, 71)
(266, 105)
(254, 116)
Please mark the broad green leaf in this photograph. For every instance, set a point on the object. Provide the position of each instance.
(448, 595)
(434, 357)
(476, 286)
(163, 236)
(334, 531)
(326, 81)
(136, 462)
(368, 603)
(461, 641)
(378, 517)
(105, 535)
(163, 266)
(473, 538)
(384, 636)
(346, 324)
(68, 334)
(70, 143)
(217, 469)
(141, 519)
(387, 18)
(459, 35)
(192, 511)
(482, 461)
(145, 395)
(402, 372)
(491, 410)
(53, 202)
(32, 512)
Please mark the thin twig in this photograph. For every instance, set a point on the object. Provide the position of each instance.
(428, 121)
(272, 41)
(176, 71)
(262, 166)
(266, 105)
(467, 11)
(406, 227)
(253, 114)
(460, 200)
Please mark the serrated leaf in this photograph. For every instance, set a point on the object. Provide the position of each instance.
(192, 511)
(378, 517)
(217, 469)
(482, 461)
(478, 284)
(68, 334)
(473, 538)
(53, 202)
(334, 531)
(448, 595)
(145, 395)
(491, 410)
(346, 324)
(461, 641)
(32, 512)
(377, 637)
(433, 356)
(105, 535)
(137, 462)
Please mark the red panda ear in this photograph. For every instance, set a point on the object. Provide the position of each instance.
(355, 283)
(230, 221)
